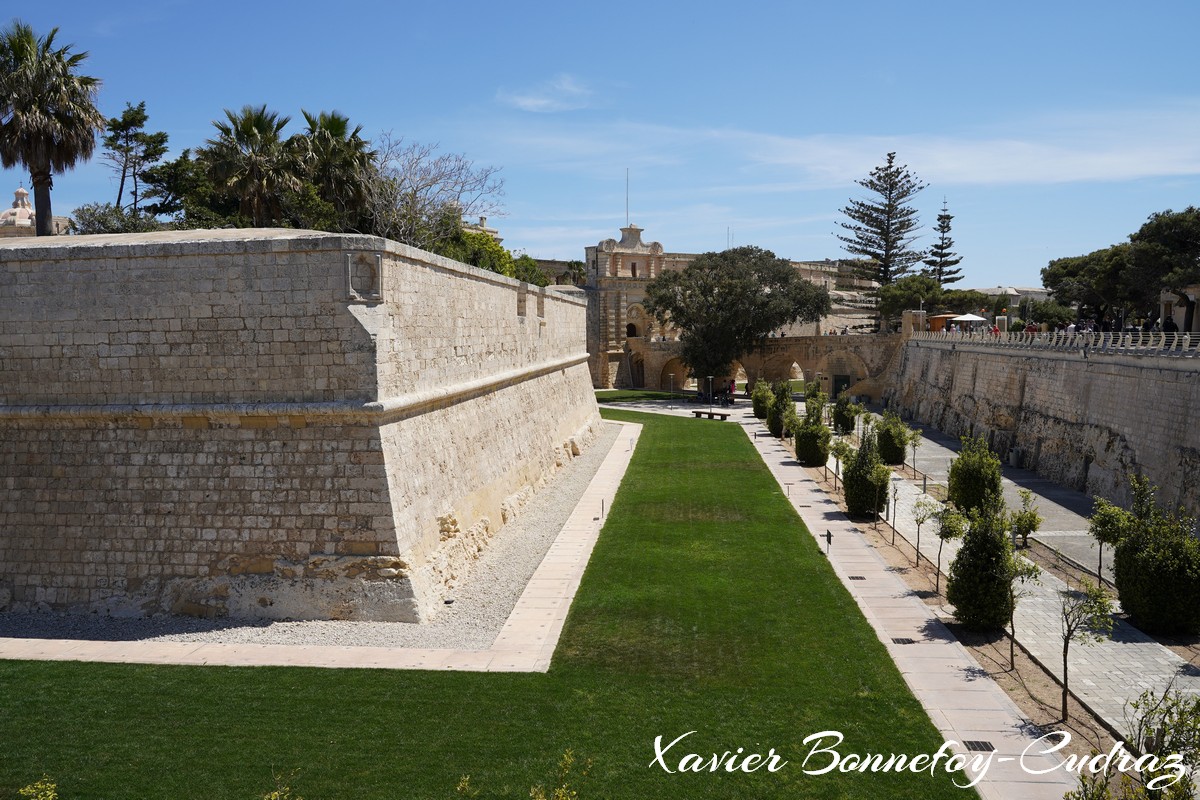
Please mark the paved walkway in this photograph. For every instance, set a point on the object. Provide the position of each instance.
(525, 644)
(963, 702)
(1105, 675)
(1065, 512)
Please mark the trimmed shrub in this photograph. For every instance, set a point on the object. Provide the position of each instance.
(1157, 568)
(814, 405)
(844, 414)
(981, 575)
(894, 437)
(782, 398)
(791, 420)
(867, 480)
(974, 475)
(812, 443)
(760, 398)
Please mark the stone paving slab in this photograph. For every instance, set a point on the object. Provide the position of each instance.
(525, 643)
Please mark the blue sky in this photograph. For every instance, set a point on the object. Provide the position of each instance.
(1051, 129)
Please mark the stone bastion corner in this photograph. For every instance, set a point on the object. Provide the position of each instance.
(270, 423)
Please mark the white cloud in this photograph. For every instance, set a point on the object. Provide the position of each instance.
(1113, 145)
(562, 93)
(1116, 145)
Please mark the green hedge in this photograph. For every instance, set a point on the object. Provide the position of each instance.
(982, 573)
(866, 480)
(844, 414)
(974, 475)
(894, 438)
(1157, 566)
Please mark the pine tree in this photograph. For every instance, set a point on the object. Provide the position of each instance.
(882, 229)
(130, 150)
(942, 259)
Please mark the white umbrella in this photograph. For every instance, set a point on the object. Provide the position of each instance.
(969, 318)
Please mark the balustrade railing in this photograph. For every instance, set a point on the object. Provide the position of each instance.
(1163, 345)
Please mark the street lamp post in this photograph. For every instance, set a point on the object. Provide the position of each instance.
(671, 401)
(710, 397)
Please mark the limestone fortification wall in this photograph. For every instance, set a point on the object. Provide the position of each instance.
(1085, 423)
(278, 424)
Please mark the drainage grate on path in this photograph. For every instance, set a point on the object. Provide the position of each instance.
(858, 577)
(979, 746)
(903, 641)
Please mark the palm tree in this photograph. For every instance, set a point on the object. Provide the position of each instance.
(250, 159)
(338, 162)
(48, 115)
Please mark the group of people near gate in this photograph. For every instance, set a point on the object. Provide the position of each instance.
(723, 393)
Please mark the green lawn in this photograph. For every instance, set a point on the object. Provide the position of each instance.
(705, 608)
(637, 395)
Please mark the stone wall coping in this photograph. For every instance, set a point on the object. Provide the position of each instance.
(236, 241)
(374, 412)
(1171, 350)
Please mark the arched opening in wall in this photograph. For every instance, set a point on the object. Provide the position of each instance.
(674, 376)
(739, 375)
(637, 320)
(781, 368)
(844, 370)
(637, 371)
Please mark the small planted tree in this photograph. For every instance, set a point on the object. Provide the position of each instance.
(1023, 573)
(923, 511)
(974, 475)
(1157, 572)
(1027, 520)
(814, 404)
(842, 452)
(844, 415)
(1086, 618)
(866, 480)
(792, 420)
(760, 398)
(812, 443)
(812, 436)
(781, 398)
(951, 526)
(981, 573)
(1108, 525)
(894, 437)
(914, 443)
(1163, 725)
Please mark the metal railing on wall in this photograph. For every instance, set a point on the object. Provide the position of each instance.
(1136, 343)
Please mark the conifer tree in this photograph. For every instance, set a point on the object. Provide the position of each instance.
(881, 228)
(130, 150)
(942, 259)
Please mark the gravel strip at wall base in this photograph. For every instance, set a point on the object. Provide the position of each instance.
(481, 604)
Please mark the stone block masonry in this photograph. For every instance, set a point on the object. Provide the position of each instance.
(274, 424)
(1086, 423)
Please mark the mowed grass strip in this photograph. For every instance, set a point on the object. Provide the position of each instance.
(706, 607)
(638, 395)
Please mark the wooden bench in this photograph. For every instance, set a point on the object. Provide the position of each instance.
(721, 415)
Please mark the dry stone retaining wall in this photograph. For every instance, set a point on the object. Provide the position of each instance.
(1085, 423)
(277, 424)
